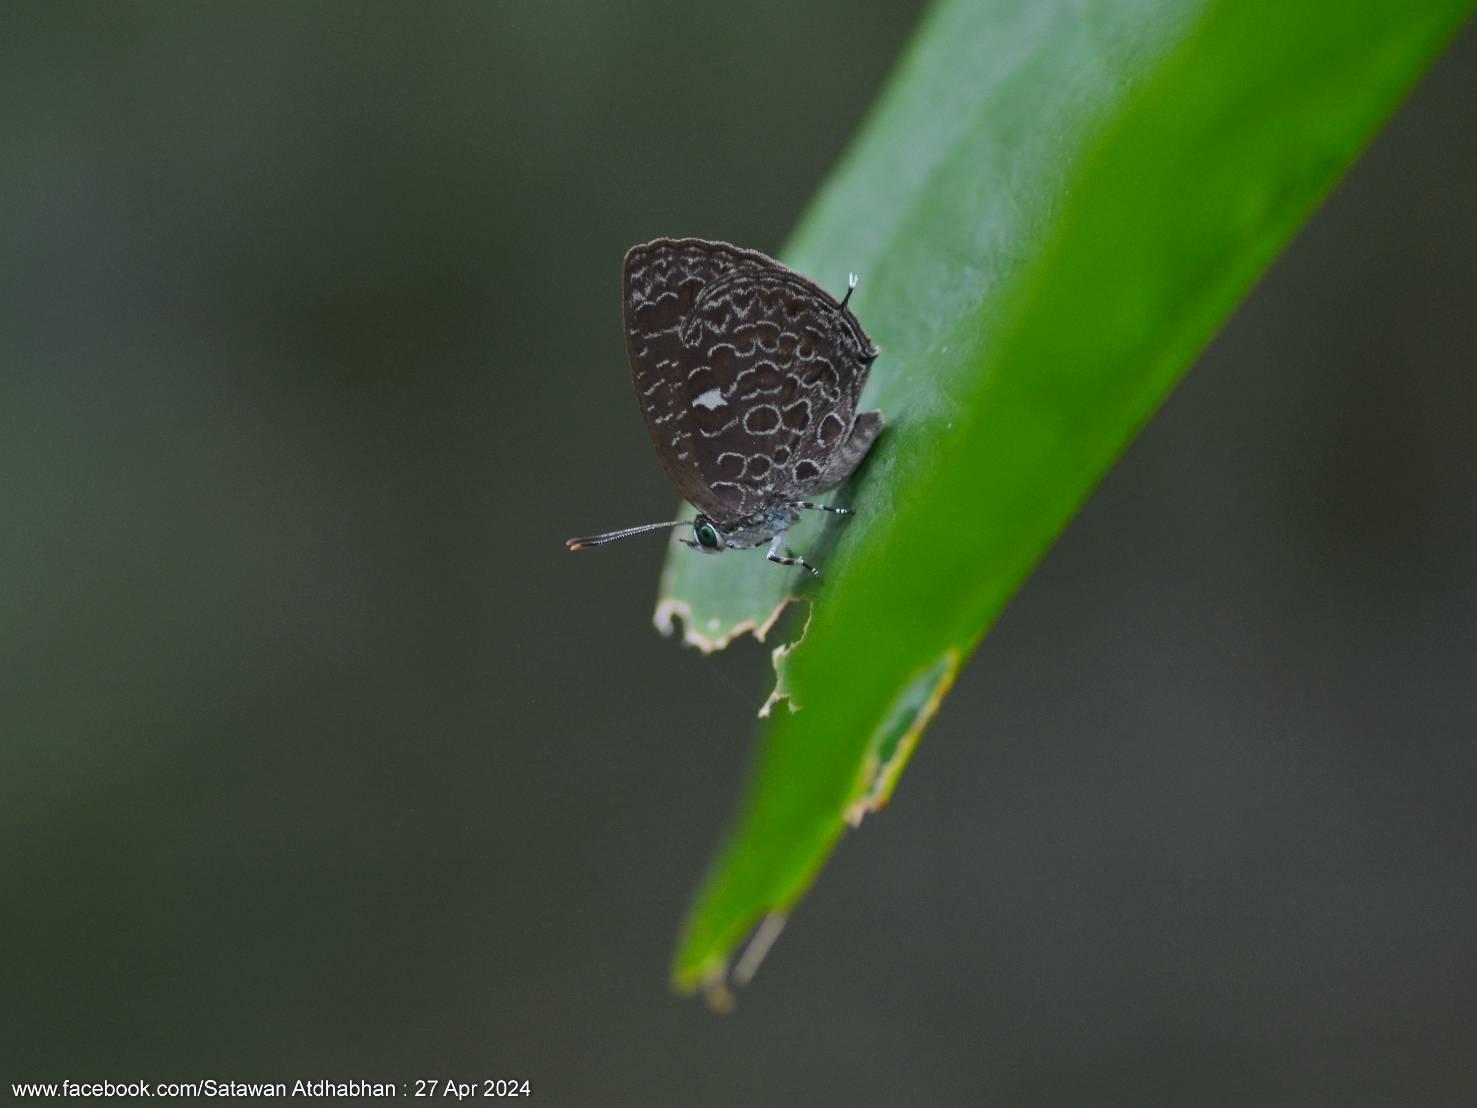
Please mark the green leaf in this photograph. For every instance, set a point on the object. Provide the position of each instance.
(1052, 208)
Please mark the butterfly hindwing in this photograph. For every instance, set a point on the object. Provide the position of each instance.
(748, 374)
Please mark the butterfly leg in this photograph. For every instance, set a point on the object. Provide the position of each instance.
(788, 559)
(823, 508)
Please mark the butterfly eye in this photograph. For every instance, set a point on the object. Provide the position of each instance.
(707, 535)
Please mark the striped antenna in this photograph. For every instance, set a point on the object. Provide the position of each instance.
(625, 533)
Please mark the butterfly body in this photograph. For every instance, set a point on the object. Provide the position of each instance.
(754, 530)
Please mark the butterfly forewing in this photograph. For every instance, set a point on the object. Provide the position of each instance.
(662, 280)
(748, 374)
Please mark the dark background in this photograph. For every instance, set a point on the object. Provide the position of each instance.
(322, 759)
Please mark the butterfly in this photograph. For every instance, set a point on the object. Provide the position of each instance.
(748, 375)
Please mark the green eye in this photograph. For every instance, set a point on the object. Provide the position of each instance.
(707, 535)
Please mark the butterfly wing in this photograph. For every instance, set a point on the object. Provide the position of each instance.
(662, 281)
(748, 374)
(790, 362)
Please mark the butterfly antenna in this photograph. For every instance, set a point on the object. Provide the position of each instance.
(625, 533)
(850, 288)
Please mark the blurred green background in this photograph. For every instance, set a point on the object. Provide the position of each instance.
(321, 758)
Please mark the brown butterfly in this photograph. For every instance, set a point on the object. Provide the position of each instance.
(748, 375)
